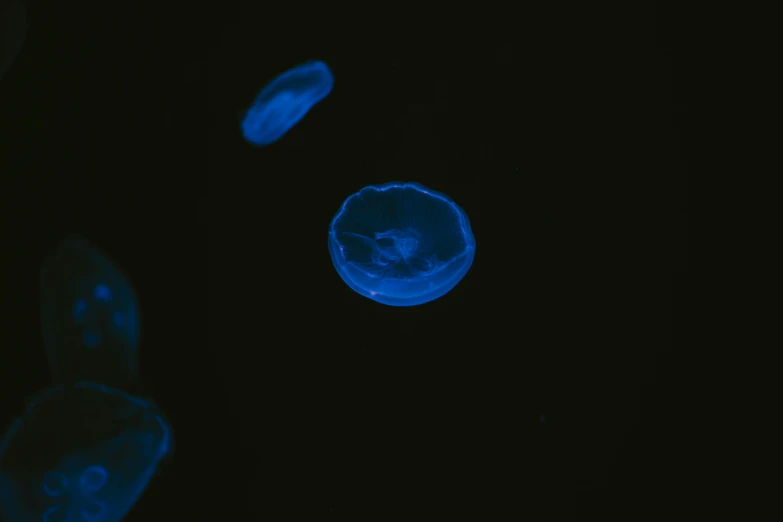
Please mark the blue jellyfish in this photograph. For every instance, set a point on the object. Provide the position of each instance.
(89, 316)
(285, 101)
(401, 244)
(80, 453)
(13, 27)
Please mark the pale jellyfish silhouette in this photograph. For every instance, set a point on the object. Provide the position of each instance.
(401, 244)
(80, 453)
(89, 316)
(285, 101)
(13, 28)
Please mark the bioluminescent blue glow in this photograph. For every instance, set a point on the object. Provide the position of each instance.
(285, 101)
(401, 244)
(89, 316)
(13, 28)
(80, 453)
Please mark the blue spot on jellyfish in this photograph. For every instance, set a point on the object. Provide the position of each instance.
(80, 453)
(13, 28)
(285, 101)
(401, 244)
(89, 316)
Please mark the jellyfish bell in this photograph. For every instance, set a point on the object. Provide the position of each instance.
(81, 452)
(89, 316)
(13, 28)
(401, 243)
(283, 102)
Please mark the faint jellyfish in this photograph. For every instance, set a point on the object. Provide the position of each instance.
(80, 453)
(401, 244)
(13, 27)
(89, 316)
(285, 101)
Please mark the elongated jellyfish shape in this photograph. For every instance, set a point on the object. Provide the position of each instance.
(89, 316)
(13, 28)
(401, 244)
(285, 101)
(80, 453)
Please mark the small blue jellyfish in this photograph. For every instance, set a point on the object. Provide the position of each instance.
(89, 316)
(401, 244)
(13, 27)
(285, 101)
(80, 453)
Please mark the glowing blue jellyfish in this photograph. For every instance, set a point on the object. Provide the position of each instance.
(80, 453)
(89, 316)
(401, 244)
(13, 26)
(285, 101)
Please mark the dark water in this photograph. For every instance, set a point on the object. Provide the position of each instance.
(291, 395)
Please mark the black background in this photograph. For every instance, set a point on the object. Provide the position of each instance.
(290, 394)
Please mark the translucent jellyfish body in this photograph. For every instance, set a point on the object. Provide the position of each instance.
(89, 316)
(80, 453)
(13, 27)
(285, 101)
(401, 244)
